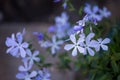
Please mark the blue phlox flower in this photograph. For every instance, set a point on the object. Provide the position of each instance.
(88, 44)
(43, 75)
(92, 13)
(55, 44)
(105, 13)
(17, 46)
(75, 46)
(32, 56)
(61, 20)
(26, 66)
(26, 75)
(45, 44)
(102, 44)
(62, 25)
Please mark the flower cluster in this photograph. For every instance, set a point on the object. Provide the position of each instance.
(58, 34)
(82, 42)
(20, 49)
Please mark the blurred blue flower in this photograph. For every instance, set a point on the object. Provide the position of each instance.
(102, 44)
(32, 56)
(26, 66)
(26, 75)
(62, 25)
(17, 46)
(43, 75)
(55, 44)
(92, 12)
(105, 13)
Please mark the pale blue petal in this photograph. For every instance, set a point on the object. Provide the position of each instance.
(25, 45)
(105, 41)
(104, 47)
(91, 52)
(89, 37)
(73, 38)
(20, 76)
(74, 52)
(33, 74)
(28, 52)
(81, 50)
(22, 52)
(68, 47)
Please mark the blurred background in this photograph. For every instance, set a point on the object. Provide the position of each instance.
(37, 15)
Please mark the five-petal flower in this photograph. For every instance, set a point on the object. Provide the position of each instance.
(17, 46)
(75, 45)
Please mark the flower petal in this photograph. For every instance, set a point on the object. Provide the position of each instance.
(25, 45)
(72, 38)
(104, 47)
(22, 52)
(20, 76)
(33, 74)
(106, 40)
(91, 52)
(81, 50)
(74, 52)
(88, 38)
(68, 47)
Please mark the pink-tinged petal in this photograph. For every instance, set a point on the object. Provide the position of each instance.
(22, 52)
(73, 38)
(104, 47)
(106, 40)
(91, 52)
(81, 50)
(33, 74)
(68, 47)
(74, 52)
